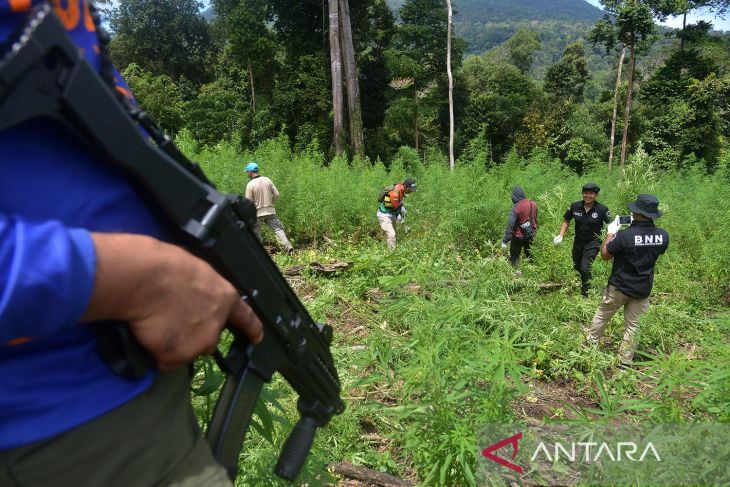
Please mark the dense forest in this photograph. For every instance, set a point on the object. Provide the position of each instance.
(260, 69)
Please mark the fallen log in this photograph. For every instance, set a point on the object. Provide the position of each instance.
(329, 268)
(369, 476)
(326, 269)
(548, 286)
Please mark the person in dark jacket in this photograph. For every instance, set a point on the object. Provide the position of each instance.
(634, 252)
(589, 216)
(521, 226)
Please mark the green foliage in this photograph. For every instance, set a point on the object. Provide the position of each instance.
(417, 63)
(477, 151)
(627, 22)
(578, 154)
(421, 36)
(215, 114)
(521, 47)
(684, 110)
(438, 337)
(271, 77)
(634, 23)
(165, 37)
(485, 24)
(301, 99)
(252, 46)
(373, 26)
(159, 96)
(499, 96)
(567, 78)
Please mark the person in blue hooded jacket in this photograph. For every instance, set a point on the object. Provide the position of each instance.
(80, 248)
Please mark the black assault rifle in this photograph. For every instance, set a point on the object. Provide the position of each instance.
(44, 74)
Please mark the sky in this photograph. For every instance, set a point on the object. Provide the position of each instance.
(718, 24)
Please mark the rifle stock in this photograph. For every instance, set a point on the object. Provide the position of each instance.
(45, 75)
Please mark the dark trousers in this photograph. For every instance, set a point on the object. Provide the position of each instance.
(584, 253)
(153, 440)
(515, 249)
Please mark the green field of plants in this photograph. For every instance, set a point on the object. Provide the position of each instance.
(440, 337)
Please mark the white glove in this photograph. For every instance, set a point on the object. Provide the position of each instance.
(614, 226)
(406, 229)
(558, 239)
(504, 245)
(400, 219)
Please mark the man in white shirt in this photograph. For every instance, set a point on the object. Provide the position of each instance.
(263, 193)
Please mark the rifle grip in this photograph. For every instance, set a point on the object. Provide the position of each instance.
(296, 448)
(121, 352)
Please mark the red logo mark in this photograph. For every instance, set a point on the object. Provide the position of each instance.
(487, 452)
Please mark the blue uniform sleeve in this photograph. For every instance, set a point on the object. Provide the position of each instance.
(47, 273)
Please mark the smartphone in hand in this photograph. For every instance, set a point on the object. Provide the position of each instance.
(625, 219)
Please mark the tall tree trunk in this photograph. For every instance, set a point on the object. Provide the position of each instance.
(353, 86)
(253, 91)
(615, 108)
(681, 39)
(415, 113)
(629, 99)
(336, 68)
(451, 88)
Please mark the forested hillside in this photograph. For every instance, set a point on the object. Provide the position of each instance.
(511, 10)
(484, 24)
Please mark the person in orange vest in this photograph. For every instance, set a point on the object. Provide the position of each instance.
(521, 226)
(391, 208)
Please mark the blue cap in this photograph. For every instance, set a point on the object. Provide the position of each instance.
(252, 167)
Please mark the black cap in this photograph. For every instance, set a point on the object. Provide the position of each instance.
(410, 183)
(591, 187)
(647, 205)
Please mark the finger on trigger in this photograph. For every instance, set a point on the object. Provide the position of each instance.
(243, 317)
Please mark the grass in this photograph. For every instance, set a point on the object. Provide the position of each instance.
(438, 337)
